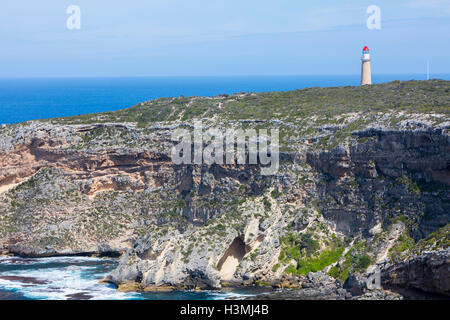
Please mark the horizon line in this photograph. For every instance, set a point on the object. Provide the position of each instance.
(216, 76)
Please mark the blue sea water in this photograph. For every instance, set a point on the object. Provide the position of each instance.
(77, 278)
(39, 98)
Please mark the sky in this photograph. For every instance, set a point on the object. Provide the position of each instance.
(227, 37)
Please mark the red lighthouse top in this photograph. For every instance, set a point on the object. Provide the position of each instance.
(366, 48)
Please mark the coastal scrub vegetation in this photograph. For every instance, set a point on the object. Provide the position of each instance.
(410, 96)
(306, 251)
(356, 259)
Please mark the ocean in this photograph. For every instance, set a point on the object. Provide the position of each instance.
(40, 98)
(77, 278)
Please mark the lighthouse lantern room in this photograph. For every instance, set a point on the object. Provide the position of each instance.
(366, 73)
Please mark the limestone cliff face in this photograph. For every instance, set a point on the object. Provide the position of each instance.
(364, 184)
(428, 272)
(351, 192)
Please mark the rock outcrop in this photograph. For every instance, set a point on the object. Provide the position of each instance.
(427, 272)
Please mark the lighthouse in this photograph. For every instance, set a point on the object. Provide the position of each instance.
(366, 73)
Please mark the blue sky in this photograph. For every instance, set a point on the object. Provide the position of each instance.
(227, 37)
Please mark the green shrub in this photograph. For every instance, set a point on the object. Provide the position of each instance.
(275, 193)
(267, 204)
(404, 242)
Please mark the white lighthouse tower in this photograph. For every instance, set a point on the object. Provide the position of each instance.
(366, 73)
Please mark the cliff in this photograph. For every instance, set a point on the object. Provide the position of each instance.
(364, 178)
